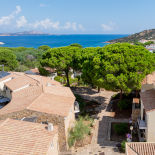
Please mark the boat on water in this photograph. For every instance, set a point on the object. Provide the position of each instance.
(1, 43)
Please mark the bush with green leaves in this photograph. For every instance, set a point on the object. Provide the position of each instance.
(121, 128)
(124, 104)
(123, 146)
(8, 59)
(78, 132)
(60, 79)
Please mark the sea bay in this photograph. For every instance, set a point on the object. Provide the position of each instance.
(35, 41)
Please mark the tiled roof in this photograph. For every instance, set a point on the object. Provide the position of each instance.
(52, 104)
(20, 82)
(42, 95)
(140, 148)
(36, 70)
(21, 99)
(44, 80)
(136, 100)
(148, 99)
(11, 75)
(24, 138)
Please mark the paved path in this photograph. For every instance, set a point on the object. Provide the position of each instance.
(101, 137)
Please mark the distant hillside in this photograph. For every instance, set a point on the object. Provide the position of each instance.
(24, 33)
(147, 35)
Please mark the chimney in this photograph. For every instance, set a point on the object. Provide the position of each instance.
(50, 127)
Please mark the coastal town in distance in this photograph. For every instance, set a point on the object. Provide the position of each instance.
(77, 77)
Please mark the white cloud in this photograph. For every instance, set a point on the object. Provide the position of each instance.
(18, 9)
(21, 22)
(81, 27)
(73, 26)
(70, 25)
(45, 24)
(108, 27)
(5, 20)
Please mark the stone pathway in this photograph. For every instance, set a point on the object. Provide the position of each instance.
(101, 137)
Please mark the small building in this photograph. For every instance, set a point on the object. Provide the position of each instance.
(143, 110)
(143, 41)
(146, 123)
(27, 138)
(39, 97)
(140, 148)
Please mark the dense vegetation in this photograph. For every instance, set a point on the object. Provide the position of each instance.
(27, 57)
(119, 66)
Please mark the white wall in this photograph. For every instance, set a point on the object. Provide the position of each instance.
(69, 121)
(150, 132)
(55, 149)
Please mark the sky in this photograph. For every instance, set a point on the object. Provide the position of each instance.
(77, 16)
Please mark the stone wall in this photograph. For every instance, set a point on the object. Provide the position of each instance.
(43, 117)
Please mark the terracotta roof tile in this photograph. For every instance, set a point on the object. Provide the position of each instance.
(140, 148)
(148, 99)
(21, 137)
(43, 95)
(52, 104)
(136, 100)
(20, 82)
(11, 75)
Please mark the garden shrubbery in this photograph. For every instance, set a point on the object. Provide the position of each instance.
(121, 128)
(80, 130)
(124, 104)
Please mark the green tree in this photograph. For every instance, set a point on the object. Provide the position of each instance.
(8, 59)
(120, 66)
(76, 45)
(44, 47)
(90, 68)
(60, 59)
(148, 43)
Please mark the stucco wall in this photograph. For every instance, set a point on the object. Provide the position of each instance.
(150, 132)
(69, 122)
(55, 149)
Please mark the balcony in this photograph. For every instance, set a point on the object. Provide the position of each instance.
(141, 124)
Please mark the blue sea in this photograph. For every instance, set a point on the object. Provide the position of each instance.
(57, 40)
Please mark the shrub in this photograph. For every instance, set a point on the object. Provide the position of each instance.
(60, 79)
(123, 145)
(78, 132)
(124, 104)
(88, 118)
(121, 128)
